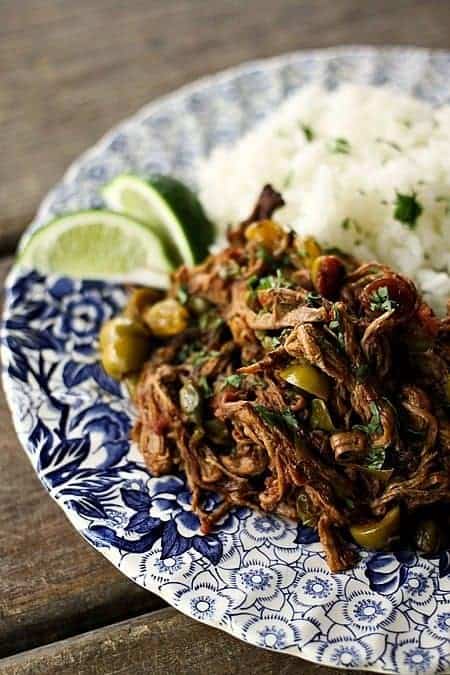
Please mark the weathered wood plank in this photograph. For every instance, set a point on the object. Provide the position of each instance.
(52, 583)
(69, 71)
(159, 643)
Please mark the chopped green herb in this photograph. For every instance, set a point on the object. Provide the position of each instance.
(234, 380)
(375, 458)
(381, 302)
(313, 299)
(252, 282)
(407, 209)
(346, 223)
(349, 503)
(339, 146)
(271, 281)
(209, 321)
(200, 357)
(182, 295)
(309, 133)
(270, 342)
(374, 426)
(286, 418)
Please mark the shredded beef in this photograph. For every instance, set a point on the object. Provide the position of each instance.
(256, 437)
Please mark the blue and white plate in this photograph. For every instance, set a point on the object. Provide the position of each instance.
(258, 577)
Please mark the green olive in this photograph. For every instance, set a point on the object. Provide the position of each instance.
(166, 318)
(377, 534)
(320, 417)
(191, 402)
(307, 377)
(124, 346)
(139, 300)
(428, 536)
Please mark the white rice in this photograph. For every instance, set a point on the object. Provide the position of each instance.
(396, 144)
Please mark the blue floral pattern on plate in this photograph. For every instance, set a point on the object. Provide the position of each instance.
(259, 577)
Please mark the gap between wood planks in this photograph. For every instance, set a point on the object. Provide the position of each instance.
(162, 643)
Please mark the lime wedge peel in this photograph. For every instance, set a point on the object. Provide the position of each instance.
(98, 244)
(169, 208)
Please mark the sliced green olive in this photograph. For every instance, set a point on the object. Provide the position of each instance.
(428, 536)
(124, 346)
(166, 318)
(376, 534)
(307, 377)
(191, 402)
(139, 300)
(320, 417)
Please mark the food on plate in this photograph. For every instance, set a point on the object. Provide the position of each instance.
(298, 380)
(363, 168)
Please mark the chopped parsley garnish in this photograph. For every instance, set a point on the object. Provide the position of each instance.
(252, 282)
(234, 380)
(407, 209)
(200, 357)
(286, 418)
(375, 458)
(209, 320)
(182, 295)
(346, 223)
(313, 299)
(381, 302)
(309, 133)
(271, 281)
(270, 342)
(374, 426)
(339, 146)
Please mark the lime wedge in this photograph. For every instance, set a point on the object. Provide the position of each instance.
(170, 208)
(98, 245)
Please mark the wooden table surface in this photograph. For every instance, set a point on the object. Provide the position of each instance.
(69, 71)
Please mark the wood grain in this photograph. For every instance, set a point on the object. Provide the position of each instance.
(145, 645)
(52, 583)
(70, 70)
